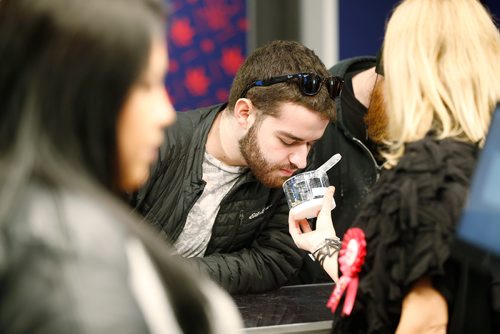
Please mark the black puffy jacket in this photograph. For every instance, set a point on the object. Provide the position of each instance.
(250, 249)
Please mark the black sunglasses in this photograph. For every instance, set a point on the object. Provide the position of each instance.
(309, 84)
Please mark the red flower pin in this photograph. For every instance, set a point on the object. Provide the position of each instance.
(351, 258)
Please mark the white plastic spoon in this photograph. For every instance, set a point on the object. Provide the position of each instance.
(329, 163)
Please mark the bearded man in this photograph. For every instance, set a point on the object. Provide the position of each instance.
(215, 193)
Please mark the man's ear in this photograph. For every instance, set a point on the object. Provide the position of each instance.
(244, 112)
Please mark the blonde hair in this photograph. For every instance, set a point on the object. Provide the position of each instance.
(442, 70)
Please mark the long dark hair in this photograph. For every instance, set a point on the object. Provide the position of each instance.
(66, 69)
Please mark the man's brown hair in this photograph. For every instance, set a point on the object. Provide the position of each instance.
(275, 59)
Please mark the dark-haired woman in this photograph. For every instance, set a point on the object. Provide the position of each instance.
(82, 111)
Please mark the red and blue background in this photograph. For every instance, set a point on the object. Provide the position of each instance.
(207, 44)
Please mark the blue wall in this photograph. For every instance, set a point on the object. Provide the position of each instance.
(494, 7)
(361, 31)
(361, 26)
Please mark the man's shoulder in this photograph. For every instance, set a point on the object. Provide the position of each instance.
(188, 121)
(198, 115)
(352, 65)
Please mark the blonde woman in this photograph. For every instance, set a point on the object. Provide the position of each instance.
(441, 68)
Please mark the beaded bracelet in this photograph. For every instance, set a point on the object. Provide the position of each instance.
(327, 248)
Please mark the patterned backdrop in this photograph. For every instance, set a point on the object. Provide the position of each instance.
(207, 44)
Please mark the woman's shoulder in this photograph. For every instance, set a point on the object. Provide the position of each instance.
(66, 250)
(430, 181)
(428, 171)
(431, 155)
(66, 220)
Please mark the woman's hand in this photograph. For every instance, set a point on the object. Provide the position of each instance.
(301, 232)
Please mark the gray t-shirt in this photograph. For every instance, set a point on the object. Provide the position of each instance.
(219, 179)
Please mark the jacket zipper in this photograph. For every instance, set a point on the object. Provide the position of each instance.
(370, 154)
(241, 217)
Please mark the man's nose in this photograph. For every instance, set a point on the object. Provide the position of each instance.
(299, 156)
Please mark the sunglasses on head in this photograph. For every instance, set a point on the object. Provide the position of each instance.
(309, 84)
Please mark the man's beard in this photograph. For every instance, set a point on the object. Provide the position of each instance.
(259, 166)
(376, 117)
